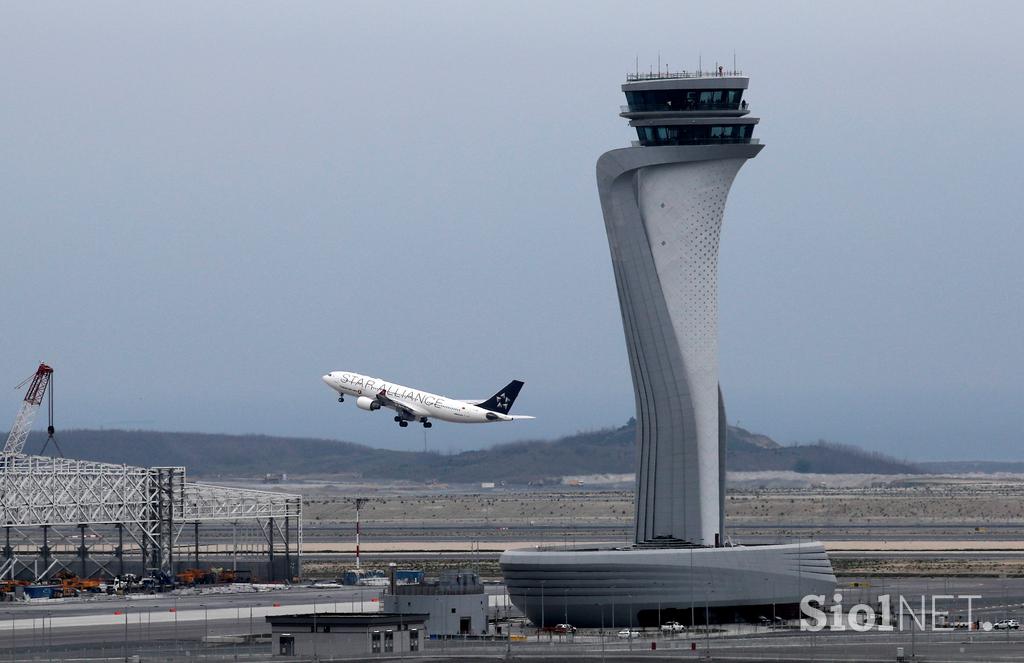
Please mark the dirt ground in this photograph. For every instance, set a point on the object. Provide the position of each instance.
(870, 515)
(931, 501)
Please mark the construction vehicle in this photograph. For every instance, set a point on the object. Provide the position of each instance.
(123, 584)
(195, 577)
(158, 581)
(74, 585)
(10, 586)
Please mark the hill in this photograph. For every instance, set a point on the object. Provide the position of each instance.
(973, 467)
(592, 452)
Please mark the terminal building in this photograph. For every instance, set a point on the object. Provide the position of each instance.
(663, 201)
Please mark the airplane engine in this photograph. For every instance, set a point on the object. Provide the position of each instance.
(368, 404)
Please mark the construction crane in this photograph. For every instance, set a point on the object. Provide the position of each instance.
(39, 381)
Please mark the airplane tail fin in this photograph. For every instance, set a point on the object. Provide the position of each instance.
(503, 400)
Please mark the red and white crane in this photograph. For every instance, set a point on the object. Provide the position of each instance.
(40, 380)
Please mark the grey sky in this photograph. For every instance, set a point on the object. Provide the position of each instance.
(208, 205)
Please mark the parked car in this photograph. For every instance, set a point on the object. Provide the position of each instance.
(627, 634)
(564, 628)
(672, 627)
(1006, 624)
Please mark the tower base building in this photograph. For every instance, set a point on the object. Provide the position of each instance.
(644, 586)
(663, 201)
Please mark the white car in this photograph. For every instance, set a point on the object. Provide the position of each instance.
(1007, 624)
(672, 627)
(627, 634)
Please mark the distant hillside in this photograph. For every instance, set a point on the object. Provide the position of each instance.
(593, 452)
(968, 466)
(750, 452)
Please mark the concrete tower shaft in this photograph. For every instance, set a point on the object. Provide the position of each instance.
(663, 202)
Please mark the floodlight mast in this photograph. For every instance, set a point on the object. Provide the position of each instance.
(40, 380)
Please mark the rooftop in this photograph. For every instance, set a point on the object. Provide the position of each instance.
(664, 75)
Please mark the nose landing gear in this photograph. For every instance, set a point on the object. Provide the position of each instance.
(341, 399)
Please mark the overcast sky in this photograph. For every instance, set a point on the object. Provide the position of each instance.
(207, 205)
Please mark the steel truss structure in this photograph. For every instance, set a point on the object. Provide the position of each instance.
(92, 519)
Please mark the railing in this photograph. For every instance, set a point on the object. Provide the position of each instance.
(716, 140)
(665, 108)
(657, 76)
(437, 590)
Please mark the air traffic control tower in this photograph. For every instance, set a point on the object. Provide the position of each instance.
(663, 201)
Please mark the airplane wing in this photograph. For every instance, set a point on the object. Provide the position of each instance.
(409, 410)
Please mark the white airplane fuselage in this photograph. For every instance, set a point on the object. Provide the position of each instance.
(411, 404)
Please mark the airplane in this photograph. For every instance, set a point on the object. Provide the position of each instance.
(414, 405)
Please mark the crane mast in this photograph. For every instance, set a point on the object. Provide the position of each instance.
(40, 380)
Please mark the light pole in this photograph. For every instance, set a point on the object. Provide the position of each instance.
(206, 625)
(629, 605)
(126, 634)
(238, 619)
(613, 607)
(543, 617)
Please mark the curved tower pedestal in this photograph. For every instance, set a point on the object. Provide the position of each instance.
(647, 587)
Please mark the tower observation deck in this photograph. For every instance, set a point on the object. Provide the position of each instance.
(688, 109)
(663, 201)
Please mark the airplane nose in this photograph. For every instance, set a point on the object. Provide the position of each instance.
(326, 378)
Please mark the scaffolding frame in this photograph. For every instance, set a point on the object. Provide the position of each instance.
(64, 513)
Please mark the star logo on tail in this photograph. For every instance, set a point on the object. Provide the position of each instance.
(502, 401)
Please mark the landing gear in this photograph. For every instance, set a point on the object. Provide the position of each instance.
(398, 418)
(403, 423)
(426, 424)
(341, 399)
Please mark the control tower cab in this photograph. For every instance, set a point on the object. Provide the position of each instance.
(687, 109)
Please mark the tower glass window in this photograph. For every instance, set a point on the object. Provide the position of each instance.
(683, 100)
(699, 134)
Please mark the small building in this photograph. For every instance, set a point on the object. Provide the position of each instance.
(330, 635)
(455, 603)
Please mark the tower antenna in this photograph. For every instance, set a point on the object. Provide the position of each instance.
(659, 62)
(700, 64)
(734, 61)
(637, 65)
